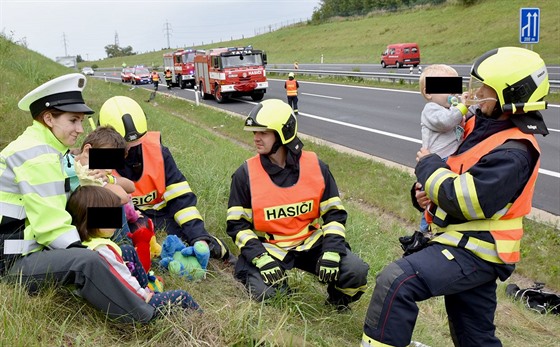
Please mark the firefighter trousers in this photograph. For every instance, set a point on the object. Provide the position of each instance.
(91, 277)
(349, 287)
(467, 282)
(292, 101)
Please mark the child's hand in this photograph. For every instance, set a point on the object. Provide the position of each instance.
(100, 174)
(149, 295)
(422, 153)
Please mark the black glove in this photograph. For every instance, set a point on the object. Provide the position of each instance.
(413, 243)
(271, 271)
(328, 267)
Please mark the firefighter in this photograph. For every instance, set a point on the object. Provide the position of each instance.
(38, 243)
(477, 202)
(275, 198)
(168, 78)
(162, 191)
(155, 79)
(292, 86)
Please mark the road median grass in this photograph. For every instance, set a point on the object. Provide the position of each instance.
(208, 146)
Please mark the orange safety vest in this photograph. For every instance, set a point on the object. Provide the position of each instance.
(151, 185)
(507, 241)
(155, 76)
(284, 214)
(291, 87)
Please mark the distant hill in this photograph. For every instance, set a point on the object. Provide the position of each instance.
(449, 33)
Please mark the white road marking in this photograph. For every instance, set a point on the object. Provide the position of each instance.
(322, 96)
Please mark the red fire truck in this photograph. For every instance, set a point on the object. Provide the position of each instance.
(231, 72)
(181, 64)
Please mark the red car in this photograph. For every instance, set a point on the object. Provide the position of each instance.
(126, 74)
(140, 75)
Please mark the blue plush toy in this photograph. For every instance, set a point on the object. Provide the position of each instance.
(190, 262)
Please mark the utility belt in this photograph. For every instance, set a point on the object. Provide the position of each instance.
(11, 235)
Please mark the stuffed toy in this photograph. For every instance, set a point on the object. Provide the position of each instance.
(189, 262)
(155, 283)
(145, 243)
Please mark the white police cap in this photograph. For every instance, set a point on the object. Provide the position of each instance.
(63, 93)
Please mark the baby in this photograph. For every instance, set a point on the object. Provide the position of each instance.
(442, 119)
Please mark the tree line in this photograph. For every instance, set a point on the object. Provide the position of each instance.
(347, 8)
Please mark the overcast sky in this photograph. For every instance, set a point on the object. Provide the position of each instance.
(71, 27)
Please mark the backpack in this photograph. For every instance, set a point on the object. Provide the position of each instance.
(535, 298)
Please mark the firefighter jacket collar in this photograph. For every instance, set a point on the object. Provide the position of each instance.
(530, 123)
(150, 186)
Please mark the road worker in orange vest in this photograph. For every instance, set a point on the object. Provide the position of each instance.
(276, 198)
(168, 78)
(155, 79)
(292, 86)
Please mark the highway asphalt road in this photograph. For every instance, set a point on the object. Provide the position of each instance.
(386, 124)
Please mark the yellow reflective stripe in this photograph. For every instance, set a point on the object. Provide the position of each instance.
(310, 241)
(243, 236)
(369, 342)
(186, 215)
(334, 228)
(177, 189)
(509, 246)
(235, 213)
(502, 212)
(467, 197)
(157, 206)
(482, 249)
(434, 182)
(275, 251)
(486, 225)
(440, 213)
(352, 291)
(330, 204)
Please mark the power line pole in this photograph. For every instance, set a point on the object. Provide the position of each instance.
(116, 39)
(167, 30)
(64, 42)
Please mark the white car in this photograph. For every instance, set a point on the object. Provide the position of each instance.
(87, 71)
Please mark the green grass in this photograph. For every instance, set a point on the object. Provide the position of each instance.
(449, 33)
(208, 146)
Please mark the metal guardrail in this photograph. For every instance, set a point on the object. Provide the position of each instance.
(380, 76)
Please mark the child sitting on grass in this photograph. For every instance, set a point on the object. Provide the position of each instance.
(99, 240)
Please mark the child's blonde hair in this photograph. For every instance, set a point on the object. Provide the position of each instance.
(435, 70)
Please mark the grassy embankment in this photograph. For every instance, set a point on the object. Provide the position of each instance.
(208, 146)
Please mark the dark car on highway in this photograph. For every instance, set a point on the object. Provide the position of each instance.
(140, 75)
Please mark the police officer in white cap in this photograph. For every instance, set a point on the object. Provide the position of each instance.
(33, 194)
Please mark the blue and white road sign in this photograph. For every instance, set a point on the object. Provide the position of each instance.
(529, 23)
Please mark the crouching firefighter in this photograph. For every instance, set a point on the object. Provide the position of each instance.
(478, 200)
(274, 200)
